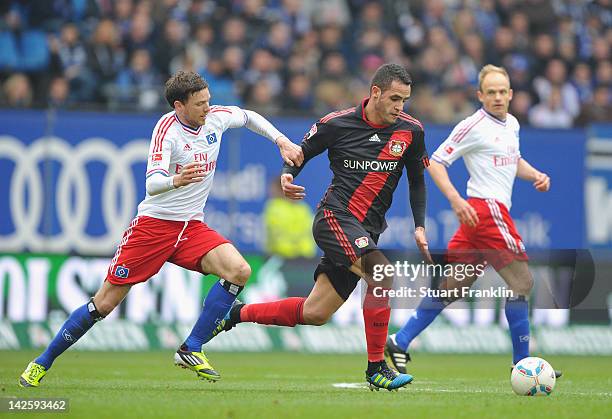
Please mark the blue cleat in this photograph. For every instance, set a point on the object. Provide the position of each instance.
(387, 379)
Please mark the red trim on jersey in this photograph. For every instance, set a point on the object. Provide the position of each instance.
(363, 115)
(373, 182)
(187, 128)
(159, 139)
(160, 128)
(406, 117)
(336, 114)
(220, 110)
(340, 235)
(462, 133)
(364, 195)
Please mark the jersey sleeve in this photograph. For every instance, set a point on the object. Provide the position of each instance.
(461, 140)
(158, 177)
(229, 116)
(416, 161)
(315, 142)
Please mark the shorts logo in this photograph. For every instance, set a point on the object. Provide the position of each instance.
(122, 272)
(397, 147)
(448, 149)
(156, 157)
(362, 242)
(211, 138)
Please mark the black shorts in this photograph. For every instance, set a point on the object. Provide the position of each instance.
(343, 240)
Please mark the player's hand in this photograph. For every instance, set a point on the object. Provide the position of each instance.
(465, 212)
(542, 182)
(190, 173)
(421, 242)
(291, 153)
(290, 190)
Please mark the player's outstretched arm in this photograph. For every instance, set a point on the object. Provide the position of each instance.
(290, 190)
(290, 152)
(463, 210)
(527, 172)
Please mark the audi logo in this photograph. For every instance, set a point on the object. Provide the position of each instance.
(71, 196)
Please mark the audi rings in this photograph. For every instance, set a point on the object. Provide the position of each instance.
(71, 198)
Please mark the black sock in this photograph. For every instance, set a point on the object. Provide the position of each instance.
(374, 367)
(235, 313)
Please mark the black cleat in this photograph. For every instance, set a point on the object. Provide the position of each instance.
(396, 355)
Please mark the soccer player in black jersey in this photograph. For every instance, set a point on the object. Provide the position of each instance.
(368, 148)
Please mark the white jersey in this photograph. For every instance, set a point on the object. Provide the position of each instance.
(173, 145)
(490, 149)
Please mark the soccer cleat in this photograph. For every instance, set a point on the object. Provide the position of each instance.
(229, 321)
(196, 361)
(558, 373)
(387, 378)
(398, 357)
(33, 375)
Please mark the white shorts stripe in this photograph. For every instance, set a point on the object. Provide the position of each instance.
(124, 240)
(502, 226)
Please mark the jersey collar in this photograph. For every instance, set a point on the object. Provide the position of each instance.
(364, 102)
(493, 117)
(187, 128)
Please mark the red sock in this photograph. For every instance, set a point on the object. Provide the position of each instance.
(376, 313)
(287, 312)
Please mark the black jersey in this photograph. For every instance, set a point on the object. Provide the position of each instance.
(367, 162)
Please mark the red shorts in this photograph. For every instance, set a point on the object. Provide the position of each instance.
(149, 242)
(494, 239)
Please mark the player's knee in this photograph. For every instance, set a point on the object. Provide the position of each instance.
(525, 286)
(316, 317)
(240, 274)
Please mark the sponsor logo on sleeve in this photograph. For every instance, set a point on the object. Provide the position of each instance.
(361, 242)
(313, 131)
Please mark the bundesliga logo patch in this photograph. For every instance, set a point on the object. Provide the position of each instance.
(156, 157)
(211, 138)
(361, 242)
(122, 272)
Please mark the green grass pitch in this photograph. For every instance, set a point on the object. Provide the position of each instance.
(269, 385)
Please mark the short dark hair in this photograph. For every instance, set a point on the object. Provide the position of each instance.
(387, 74)
(182, 85)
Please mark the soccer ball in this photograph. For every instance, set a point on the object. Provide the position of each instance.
(533, 376)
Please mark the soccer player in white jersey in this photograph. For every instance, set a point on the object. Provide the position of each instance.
(169, 227)
(488, 141)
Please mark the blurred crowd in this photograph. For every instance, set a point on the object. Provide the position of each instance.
(295, 57)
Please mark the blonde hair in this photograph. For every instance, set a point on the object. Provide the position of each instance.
(490, 68)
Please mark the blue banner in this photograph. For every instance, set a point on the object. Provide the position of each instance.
(70, 182)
